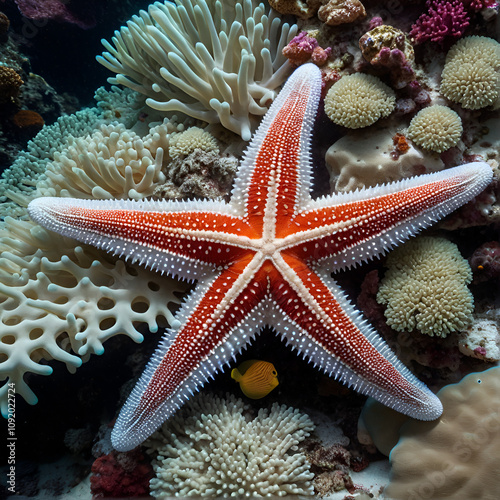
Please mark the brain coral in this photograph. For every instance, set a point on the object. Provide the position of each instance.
(214, 60)
(471, 72)
(359, 100)
(436, 128)
(184, 143)
(215, 447)
(457, 456)
(425, 287)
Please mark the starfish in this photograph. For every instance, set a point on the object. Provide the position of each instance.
(266, 258)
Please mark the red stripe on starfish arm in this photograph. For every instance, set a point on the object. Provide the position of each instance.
(358, 226)
(213, 331)
(202, 236)
(278, 169)
(344, 345)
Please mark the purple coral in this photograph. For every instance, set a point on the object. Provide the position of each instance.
(79, 13)
(444, 19)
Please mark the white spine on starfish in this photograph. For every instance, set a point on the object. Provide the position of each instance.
(476, 176)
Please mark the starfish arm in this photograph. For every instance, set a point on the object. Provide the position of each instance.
(182, 239)
(216, 322)
(274, 177)
(336, 338)
(343, 230)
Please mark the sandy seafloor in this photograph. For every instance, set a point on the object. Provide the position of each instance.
(89, 400)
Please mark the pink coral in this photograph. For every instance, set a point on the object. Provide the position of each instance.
(79, 13)
(303, 48)
(477, 5)
(444, 19)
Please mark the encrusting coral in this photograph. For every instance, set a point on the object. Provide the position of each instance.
(359, 100)
(214, 60)
(215, 447)
(457, 456)
(425, 288)
(470, 75)
(359, 160)
(185, 143)
(436, 128)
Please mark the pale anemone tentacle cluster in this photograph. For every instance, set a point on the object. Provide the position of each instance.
(425, 288)
(214, 60)
(471, 74)
(213, 447)
(61, 300)
(436, 128)
(359, 100)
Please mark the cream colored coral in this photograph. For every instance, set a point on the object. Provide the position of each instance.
(425, 288)
(303, 9)
(214, 447)
(471, 73)
(336, 12)
(436, 128)
(214, 60)
(481, 340)
(359, 160)
(359, 100)
(184, 143)
(61, 301)
(457, 456)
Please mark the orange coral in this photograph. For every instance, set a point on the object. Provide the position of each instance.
(28, 122)
(10, 82)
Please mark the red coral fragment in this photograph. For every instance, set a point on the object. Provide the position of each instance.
(121, 475)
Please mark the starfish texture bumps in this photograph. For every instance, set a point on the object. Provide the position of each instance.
(265, 257)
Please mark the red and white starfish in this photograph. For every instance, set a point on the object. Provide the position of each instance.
(265, 258)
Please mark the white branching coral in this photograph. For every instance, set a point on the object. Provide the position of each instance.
(214, 60)
(425, 287)
(213, 447)
(61, 300)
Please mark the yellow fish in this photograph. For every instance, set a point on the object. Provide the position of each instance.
(256, 378)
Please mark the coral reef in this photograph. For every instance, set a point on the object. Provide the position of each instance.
(359, 100)
(425, 287)
(485, 262)
(481, 340)
(444, 19)
(121, 475)
(335, 12)
(304, 48)
(224, 60)
(10, 83)
(79, 13)
(386, 47)
(471, 73)
(436, 128)
(303, 9)
(215, 447)
(456, 456)
(182, 144)
(4, 27)
(360, 160)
